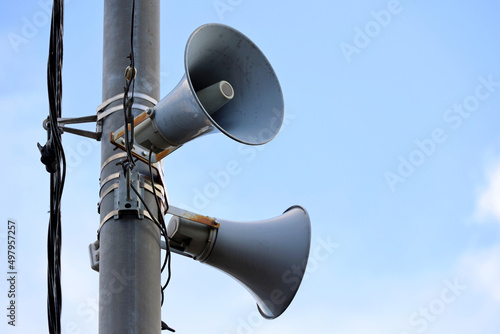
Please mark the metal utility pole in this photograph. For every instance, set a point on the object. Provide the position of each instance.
(129, 242)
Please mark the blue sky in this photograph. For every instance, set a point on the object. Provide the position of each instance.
(390, 141)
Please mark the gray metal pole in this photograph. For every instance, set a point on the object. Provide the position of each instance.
(129, 264)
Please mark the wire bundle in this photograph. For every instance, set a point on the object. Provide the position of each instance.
(128, 164)
(129, 101)
(57, 167)
(54, 159)
(160, 223)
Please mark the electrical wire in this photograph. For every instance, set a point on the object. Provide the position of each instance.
(161, 225)
(54, 158)
(129, 163)
(155, 221)
(129, 142)
(57, 167)
(160, 214)
(128, 102)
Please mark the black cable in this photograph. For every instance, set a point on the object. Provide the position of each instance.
(155, 221)
(54, 159)
(129, 142)
(128, 102)
(129, 164)
(167, 259)
(163, 232)
(160, 214)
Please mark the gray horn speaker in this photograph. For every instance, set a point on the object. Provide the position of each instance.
(267, 257)
(228, 86)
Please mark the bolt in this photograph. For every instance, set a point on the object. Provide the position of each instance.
(144, 153)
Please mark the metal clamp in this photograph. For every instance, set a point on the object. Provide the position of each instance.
(160, 193)
(76, 120)
(102, 106)
(138, 151)
(114, 214)
(126, 200)
(181, 213)
(94, 255)
(102, 112)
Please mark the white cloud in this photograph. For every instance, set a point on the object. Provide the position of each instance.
(482, 269)
(488, 205)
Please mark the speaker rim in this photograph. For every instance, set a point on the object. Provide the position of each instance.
(305, 267)
(188, 77)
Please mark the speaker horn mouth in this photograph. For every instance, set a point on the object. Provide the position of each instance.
(269, 314)
(215, 53)
(267, 257)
